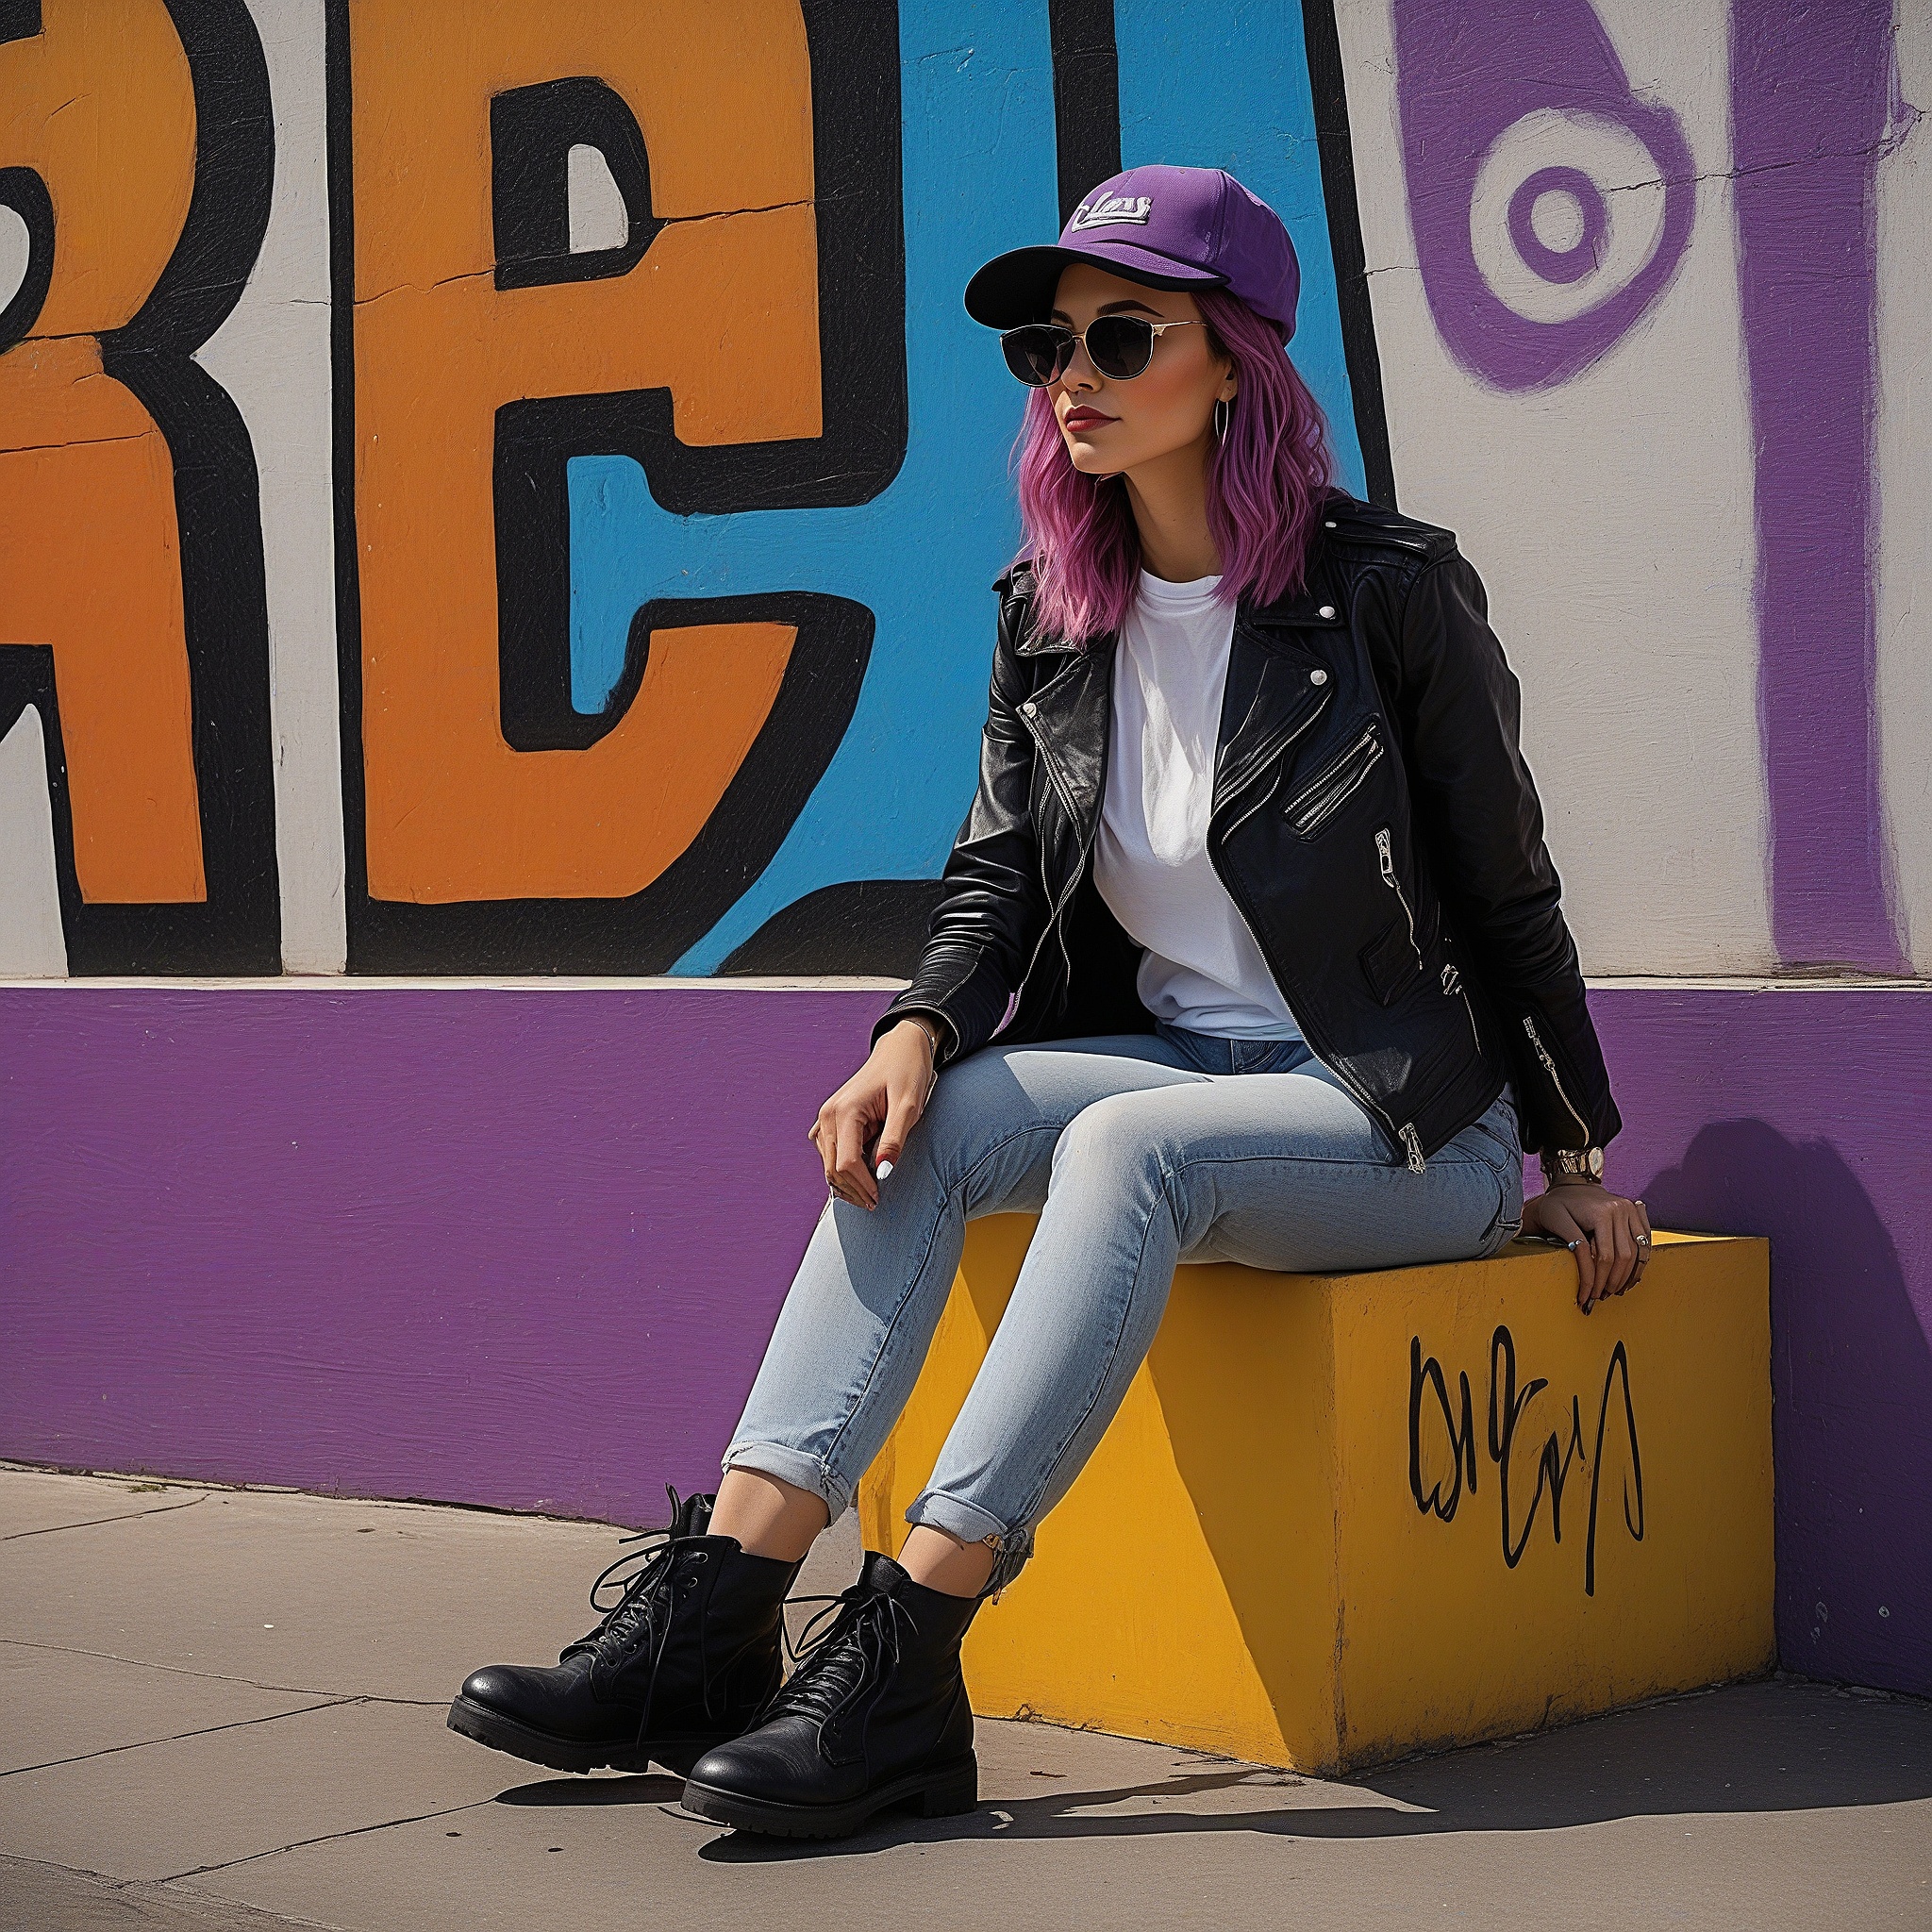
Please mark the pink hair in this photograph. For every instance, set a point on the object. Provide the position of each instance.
(1267, 477)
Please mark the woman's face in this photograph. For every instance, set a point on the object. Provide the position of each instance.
(1112, 426)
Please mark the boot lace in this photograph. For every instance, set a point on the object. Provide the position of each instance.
(640, 1615)
(835, 1667)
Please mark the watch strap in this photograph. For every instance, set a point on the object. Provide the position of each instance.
(1573, 1164)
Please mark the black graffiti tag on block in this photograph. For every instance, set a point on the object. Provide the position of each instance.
(1560, 1450)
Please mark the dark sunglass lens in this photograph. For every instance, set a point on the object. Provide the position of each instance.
(1121, 346)
(1037, 353)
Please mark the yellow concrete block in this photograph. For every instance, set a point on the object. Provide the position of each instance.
(1342, 1517)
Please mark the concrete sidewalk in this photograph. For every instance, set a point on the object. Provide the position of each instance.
(226, 1708)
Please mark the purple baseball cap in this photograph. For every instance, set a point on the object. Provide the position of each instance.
(1168, 228)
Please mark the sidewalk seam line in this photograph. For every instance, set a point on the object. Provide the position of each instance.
(180, 1737)
(325, 1838)
(141, 1663)
(95, 1522)
(109, 1886)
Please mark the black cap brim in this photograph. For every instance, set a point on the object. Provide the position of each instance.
(1018, 287)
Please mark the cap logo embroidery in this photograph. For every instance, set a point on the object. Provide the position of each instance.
(1107, 210)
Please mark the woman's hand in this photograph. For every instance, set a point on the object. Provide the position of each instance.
(874, 1112)
(1600, 1229)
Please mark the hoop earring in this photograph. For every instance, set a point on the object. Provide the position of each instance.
(1220, 417)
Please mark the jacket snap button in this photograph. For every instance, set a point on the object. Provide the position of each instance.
(1326, 610)
(1028, 707)
(1317, 677)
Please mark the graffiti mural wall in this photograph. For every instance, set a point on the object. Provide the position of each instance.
(136, 165)
(1635, 320)
(623, 642)
(507, 489)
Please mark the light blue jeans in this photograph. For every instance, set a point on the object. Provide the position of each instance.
(1137, 1150)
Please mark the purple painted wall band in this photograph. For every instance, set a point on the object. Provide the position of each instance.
(524, 1247)
(1810, 92)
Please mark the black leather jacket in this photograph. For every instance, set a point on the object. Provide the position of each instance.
(1372, 820)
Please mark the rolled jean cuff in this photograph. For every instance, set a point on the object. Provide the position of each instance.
(795, 1467)
(972, 1524)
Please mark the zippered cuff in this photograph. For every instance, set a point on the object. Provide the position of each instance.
(1567, 1111)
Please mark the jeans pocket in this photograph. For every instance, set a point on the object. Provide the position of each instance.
(1507, 1223)
(1497, 1129)
(1503, 1231)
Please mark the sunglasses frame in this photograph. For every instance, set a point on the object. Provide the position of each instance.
(1073, 337)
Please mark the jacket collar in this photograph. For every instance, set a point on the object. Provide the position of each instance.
(1317, 606)
(1279, 676)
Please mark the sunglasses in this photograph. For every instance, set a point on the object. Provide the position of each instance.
(1119, 347)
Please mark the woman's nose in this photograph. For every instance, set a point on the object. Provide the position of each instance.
(1080, 373)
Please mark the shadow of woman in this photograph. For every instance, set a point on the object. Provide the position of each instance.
(1763, 1748)
(1851, 1394)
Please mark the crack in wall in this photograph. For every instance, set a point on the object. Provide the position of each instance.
(22, 449)
(473, 274)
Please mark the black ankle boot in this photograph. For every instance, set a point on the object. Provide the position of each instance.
(681, 1663)
(875, 1715)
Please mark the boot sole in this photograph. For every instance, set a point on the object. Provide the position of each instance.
(483, 1725)
(949, 1790)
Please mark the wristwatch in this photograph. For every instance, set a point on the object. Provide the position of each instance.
(1573, 1164)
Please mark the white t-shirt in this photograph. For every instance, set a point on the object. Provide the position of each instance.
(1203, 970)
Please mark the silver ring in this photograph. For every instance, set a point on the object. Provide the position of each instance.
(1643, 1240)
(1572, 1245)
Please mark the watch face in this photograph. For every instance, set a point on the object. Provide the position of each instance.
(1579, 1161)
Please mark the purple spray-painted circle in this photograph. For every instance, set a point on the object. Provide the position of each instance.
(1559, 264)
(1466, 73)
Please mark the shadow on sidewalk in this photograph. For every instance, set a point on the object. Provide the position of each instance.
(565, 1794)
(1768, 1747)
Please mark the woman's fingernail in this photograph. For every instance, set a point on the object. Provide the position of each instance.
(885, 1168)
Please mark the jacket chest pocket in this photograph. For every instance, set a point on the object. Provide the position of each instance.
(1324, 794)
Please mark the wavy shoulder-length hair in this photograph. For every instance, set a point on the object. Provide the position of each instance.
(1267, 477)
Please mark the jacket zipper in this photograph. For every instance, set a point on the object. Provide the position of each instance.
(1059, 904)
(1452, 985)
(1385, 857)
(1053, 920)
(1411, 1140)
(1302, 817)
(1550, 1067)
(1247, 919)
(1406, 1135)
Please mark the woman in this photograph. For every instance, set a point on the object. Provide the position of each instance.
(1249, 949)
